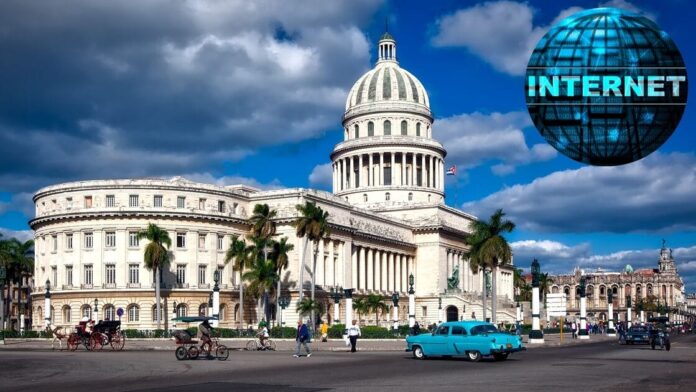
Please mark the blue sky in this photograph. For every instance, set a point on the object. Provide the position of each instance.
(239, 91)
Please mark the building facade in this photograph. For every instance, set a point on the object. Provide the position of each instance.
(661, 284)
(387, 218)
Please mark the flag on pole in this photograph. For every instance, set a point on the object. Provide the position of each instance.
(452, 171)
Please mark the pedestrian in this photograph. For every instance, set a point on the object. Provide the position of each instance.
(574, 327)
(324, 332)
(353, 335)
(301, 339)
(416, 328)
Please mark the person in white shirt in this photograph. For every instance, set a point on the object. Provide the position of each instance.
(353, 334)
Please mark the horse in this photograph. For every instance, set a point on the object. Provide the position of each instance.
(58, 334)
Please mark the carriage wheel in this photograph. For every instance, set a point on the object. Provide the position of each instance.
(222, 353)
(252, 345)
(181, 353)
(96, 342)
(118, 340)
(193, 352)
(73, 341)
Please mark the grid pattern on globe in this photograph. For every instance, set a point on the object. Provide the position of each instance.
(606, 130)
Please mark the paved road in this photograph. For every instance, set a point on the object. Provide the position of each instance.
(600, 366)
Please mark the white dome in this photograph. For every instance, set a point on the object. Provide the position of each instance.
(387, 82)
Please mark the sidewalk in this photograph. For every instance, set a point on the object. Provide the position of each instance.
(550, 340)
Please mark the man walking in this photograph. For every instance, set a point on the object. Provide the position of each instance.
(301, 338)
(353, 334)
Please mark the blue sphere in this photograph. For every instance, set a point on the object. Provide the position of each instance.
(613, 127)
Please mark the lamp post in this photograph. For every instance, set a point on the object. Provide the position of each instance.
(582, 334)
(47, 303)
(96, 310)
(411, 302)
(395, 301)
(518, 313)
(611, 331)
(336, 295)
(439, 310)
(536, 335)
(641, 312)
(348, 293)
(283, 302)
(629, 316)
(216, 298)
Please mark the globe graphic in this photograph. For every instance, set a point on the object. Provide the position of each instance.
(606, 130)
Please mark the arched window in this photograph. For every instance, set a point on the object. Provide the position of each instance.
(387, 127)
(387, 196)
(39, 314)
(364, 197)
(566, 290)
(410, 196)
(181, 310)
(404, 128)
(357, 131)
(203, 310)
(221, 315)
(615, 290)
(370, 129)
(109, 312)
(418, 129)
(86, 311)
(66, 314)
(133, 313)
(154, 313)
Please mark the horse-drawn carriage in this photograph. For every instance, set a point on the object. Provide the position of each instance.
(188, 348)
(95, 337)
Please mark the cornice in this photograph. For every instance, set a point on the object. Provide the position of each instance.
(387, 141)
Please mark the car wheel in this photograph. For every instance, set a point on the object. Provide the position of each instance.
(418, 353)
(652, 345)
(501, 356)
(474, 356)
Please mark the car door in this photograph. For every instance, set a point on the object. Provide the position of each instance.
(458, 341)
(438, 342)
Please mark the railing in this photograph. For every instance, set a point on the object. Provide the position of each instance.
(67, 287)
(86, 286)
(109, 285)
(133, 285)
(204, 285)
(181, 285)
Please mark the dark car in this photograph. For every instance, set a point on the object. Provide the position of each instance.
(637, 334)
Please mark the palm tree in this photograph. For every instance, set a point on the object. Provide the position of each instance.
(280, 257)
(526, 292)
(360, 306)
(518, 281)
(491, 250)
(313, 225)
(544, 286)
(156, 257)
(16, 256)
(262, 277)
(374, 303)
(239, 255)
(307, 306)
(262, 221)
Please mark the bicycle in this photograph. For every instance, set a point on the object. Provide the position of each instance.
(255, 345)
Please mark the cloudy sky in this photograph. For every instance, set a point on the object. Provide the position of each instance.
(252, 92)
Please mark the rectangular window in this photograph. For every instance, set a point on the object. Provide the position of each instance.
(220, 238)
(133, 273)
(221, 206)
(110, 201)
(201, 241)
(133, 240)
(88, 201)
(110, 239)
(54, 239)
(180, 202)
(201, 204)
(68, 275)
(110, 277)
(89, 240)
(133, 201)
(54, 272)
(88, 275)
(181, 273)
(157, 201)
(68, 241)
(180, 240)
(201, 275)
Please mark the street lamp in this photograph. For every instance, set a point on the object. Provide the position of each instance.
(96, 309)
(611, 331)
(215, 299)
(174, 308)
(47, 303)
(283, 301)
(411, 302)
(629, 317)
(439, 310)
(336, 294)
(536, 335)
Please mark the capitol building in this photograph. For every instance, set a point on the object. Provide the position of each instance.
(387, 217)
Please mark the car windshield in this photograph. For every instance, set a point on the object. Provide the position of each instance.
(483, 329)
(639, 329)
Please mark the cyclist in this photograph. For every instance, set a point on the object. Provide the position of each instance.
(204, 331)
(263, 334)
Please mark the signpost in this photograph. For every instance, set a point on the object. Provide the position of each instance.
(556, 307)
(119, 313)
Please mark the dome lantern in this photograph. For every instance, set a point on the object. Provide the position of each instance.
(386, 48)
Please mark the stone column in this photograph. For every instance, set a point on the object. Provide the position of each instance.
(413, 169)
(397, 274)
(403, 168)
(381, 169)
(370, 173)
(582, 334)
(343, 174)
(391, 168)
(351, 174)
(431, 182)
(319, 271)
(362, 269)
(360, 181)
(369, 269)
(385, 271)
(390, 273)
(423, 171)
(354, 267)
(536, 336)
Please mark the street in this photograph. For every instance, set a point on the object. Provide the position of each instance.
(596, 366)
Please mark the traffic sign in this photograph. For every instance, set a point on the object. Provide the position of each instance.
(556, 304)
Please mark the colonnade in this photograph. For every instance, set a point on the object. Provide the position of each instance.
(406, 168)
(380, 270)
(330, 262)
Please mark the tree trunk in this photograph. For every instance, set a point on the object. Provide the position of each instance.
(302, 260)
(314, 274)
(494, 296)
(157, 297)
(277, 305)
(483, 293)
(241, 299)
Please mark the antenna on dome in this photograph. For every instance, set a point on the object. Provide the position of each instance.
(387, 44)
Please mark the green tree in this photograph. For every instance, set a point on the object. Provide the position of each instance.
(307, 306)
(262, 277)
(262, 224)
(518, 281)
(238, 254)
(488, 250)
(360, 306)
(375, 303)
(156, 257)
(280, 257)
(544, 286)
(313, 225)
(17, 258)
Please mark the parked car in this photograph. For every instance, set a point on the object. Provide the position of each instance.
(637, 334)
(470, 339)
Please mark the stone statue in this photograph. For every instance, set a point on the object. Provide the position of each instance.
(453, 281)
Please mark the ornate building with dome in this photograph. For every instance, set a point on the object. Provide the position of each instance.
(387, 217)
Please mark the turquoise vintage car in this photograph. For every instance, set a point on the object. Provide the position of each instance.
(471, 339)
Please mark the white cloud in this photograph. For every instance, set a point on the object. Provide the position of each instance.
(322, 175)
(475, 138)
(503, 33)
(654, 194)
(22, 235)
